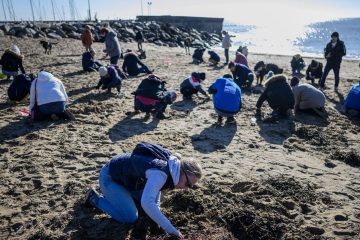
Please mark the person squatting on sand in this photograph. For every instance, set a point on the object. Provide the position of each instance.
(152, 96)
(198, 55)
(261, 69)
(214, 58)
(20, 86)
(110, 77)
(226, 99)
(242, 75)
(297, 64)
(12, 62)
(307, 98)
(48, 98)
(89, 64)
(278, 94)
(241, 59)
(192, 85)
(112, 45)
(131, 62)
(334, 52)
(314, 70)
(87, 38)
(141, 176)
(226, 44)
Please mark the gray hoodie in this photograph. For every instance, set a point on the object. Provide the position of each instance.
(112, 45)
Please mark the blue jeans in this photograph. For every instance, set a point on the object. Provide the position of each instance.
(336, 69)
(53, 108)
(114, 60)
(117, 201)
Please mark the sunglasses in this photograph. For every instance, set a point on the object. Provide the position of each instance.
(188, 182)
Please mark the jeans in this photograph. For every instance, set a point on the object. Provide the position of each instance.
(53, 108)
(117, 201)
(336, 69)
(227, 55)
(114, 60)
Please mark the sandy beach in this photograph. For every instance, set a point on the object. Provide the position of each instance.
(293, 179)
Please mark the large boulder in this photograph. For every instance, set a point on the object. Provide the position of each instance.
(5, 28)
(53, 35)
(74, 35)
(61, 33)
(30, 32)
(40, 34)
(68, 27)
(172, 44)
(2, 33)
(130, 32)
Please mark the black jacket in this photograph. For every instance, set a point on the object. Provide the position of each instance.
(336, 53)
(151, 88)
(12, 62)
(19, 87)
(314, 72)
(130, 64)
(278, 93)
(198, 54)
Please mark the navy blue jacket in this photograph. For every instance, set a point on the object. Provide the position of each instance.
(19, 87)
(88, 63)
(214, 56)
(111, 81)
(130, 64)
(130, 169)
(241, 74)
(12, 62)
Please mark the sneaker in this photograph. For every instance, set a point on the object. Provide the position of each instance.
(161, 116)
(91, 198)
(147, 116)
(230, 120)
(69, 115)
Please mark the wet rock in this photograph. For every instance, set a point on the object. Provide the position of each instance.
(315, 230)
(54, 36)
(68, 27)
(2, 33)
(340, 217)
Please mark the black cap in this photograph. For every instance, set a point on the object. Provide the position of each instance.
(335, 34)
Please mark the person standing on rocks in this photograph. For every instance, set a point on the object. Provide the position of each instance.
(87, 38)
(112, 45)
(140, 177)
(12, 62)
(226, 44)
(139, 39)
(334, 52)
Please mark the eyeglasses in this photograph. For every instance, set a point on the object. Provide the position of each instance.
(188, 182)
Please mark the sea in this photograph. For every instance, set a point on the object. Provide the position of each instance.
(308, 40)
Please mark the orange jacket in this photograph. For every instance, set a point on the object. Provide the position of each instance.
(87, 38)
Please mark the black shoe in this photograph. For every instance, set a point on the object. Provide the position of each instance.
(91, 198)
(161, 116)
(230, 120)
(69, 115)
(219, 121)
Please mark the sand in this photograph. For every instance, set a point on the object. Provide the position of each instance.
(290, 179)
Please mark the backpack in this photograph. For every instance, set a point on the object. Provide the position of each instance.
(118, 70)
(19, 87)
(353, 99)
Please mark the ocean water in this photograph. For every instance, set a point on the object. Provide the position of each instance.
(288, 39)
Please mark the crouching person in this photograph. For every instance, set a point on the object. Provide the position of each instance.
(314, 70)
(198, 55)
(110, 77)
(20, 87)
(140, 176)
(192, 85)
(48, 98)
(278, 94)
(12, 62)
(152, 96)
(214, 58)
(308, 98)
(88, 62)
(242, 75)
(227, 98)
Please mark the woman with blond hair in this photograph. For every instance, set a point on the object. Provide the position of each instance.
(141, 176)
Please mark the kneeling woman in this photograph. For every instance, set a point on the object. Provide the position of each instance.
(48, 98)
(141, 175)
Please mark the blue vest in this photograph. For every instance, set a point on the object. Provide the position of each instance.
(130, 169)
(353, 99)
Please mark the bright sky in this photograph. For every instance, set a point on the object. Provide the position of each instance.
(254, 12)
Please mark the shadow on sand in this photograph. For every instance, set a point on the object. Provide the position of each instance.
(129, 127)
(214, 138)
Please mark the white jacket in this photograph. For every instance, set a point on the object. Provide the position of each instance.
(48, 89)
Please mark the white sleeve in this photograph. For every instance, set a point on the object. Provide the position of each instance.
(155, 181)
(32, 95)
(62, 88)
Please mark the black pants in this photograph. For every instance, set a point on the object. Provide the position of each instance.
(328, 68)
(227, 55)
(158, 107)
(188, 91)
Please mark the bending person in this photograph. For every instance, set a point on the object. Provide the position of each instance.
(192, 85)
(141, 176)
(131, 62)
